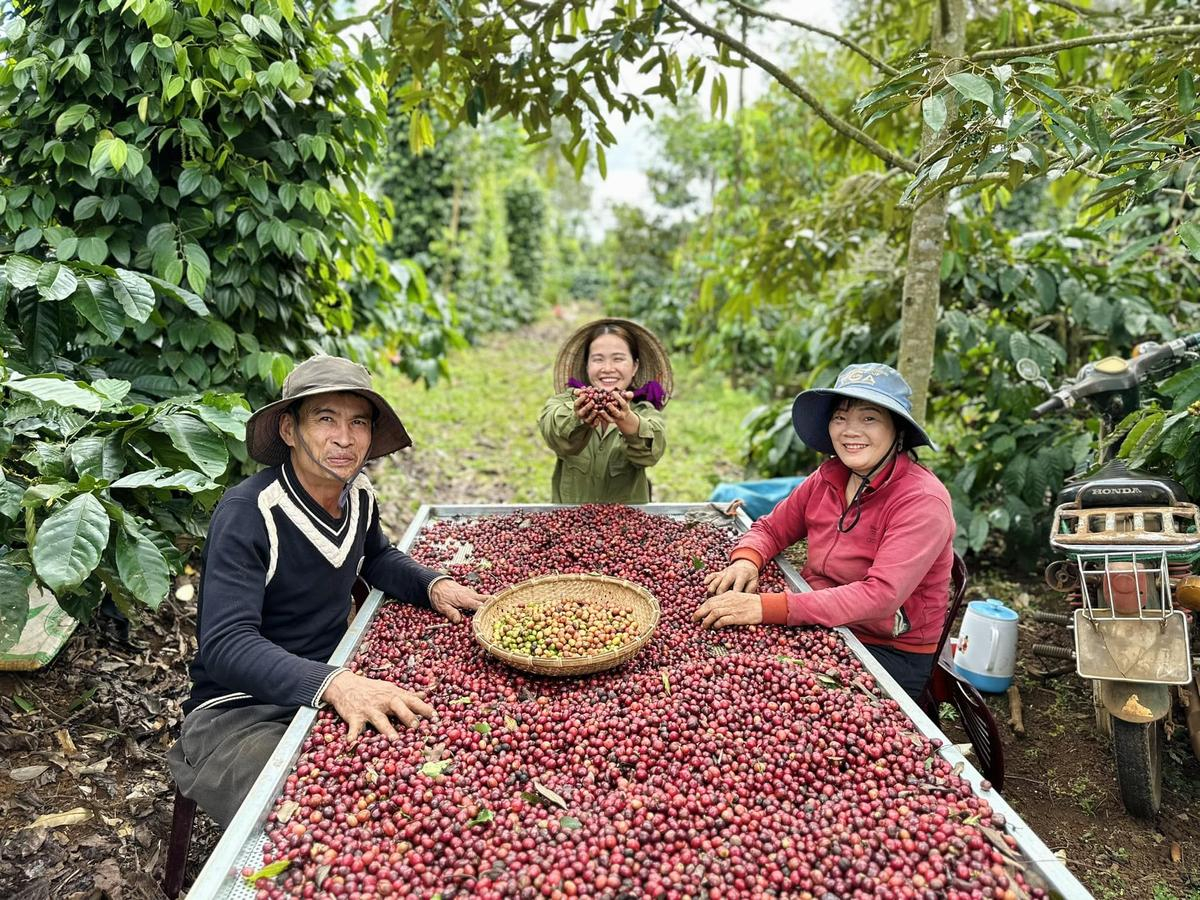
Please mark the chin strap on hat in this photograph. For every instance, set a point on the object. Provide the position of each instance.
(857, 501)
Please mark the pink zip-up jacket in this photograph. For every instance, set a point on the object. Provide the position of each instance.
(888, 578)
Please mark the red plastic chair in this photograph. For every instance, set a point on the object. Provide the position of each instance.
(945, 685)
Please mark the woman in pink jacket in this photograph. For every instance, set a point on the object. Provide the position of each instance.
(879, 527)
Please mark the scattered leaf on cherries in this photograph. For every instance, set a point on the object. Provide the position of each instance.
(569, 823)
(482, 728)
(549, 794)
(483, 816)
(270, 870)
(433, 769)
(287, 810)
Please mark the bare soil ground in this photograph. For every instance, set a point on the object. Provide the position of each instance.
(1061, 776)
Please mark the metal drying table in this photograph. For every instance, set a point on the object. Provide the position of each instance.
(242, 843)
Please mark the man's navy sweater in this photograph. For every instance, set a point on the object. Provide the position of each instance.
(275, 585)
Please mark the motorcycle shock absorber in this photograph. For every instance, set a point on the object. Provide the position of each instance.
(1054, 618)
(1052, 651)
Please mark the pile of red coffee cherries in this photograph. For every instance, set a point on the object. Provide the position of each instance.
(601, 397)
(747, 762)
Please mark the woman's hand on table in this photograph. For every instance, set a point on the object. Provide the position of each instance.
(739, 575)
(729, 608)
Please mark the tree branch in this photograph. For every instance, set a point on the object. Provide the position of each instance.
(1078, 10)
(1112, 37)
(844, 41)
(838, 124)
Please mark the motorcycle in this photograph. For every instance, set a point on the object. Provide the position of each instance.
(1130, 542)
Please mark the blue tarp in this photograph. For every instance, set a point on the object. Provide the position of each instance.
(758, 497)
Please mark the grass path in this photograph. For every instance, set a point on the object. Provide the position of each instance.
(476, 441)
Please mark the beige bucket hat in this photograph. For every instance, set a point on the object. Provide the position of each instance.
(323, 375)
(653, 363)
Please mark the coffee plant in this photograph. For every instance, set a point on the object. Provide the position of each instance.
(180, 218)
(1058, 298)
(525, 216)
(104, 488)
(1164, 435)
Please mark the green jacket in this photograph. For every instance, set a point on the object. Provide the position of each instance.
(601, 467)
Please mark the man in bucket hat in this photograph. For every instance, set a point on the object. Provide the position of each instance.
(879, 526)
(284, 549)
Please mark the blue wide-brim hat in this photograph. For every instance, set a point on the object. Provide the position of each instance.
(873, 382)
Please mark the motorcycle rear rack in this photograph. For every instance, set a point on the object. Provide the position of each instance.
(1127, 529)
(1151, 645)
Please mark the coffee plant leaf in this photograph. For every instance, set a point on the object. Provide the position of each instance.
(142, 567)
(68, 544)
(14, 603)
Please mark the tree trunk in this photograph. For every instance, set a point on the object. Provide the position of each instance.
(927, 237)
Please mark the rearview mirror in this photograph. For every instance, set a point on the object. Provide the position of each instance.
(1028, 369)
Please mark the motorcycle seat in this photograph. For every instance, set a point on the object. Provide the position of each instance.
(1115, 484)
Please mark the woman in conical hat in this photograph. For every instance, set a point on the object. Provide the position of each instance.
(879, 526)
(605, 442)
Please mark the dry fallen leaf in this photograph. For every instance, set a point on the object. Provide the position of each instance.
(64, 741)
(93, 768)
(27, 773)
(58, 820)
(1176, 852)
(109, 879)
(550, 795)
(286, 810)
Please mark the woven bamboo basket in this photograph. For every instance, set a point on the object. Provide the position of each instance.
(594, 589)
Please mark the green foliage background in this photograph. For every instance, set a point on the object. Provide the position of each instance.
(195, 195)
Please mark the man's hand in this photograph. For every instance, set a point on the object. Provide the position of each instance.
(739, 575)
(730, 608)
(360, 700)
(448, 598)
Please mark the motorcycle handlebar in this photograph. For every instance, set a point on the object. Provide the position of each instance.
(1054, 403)
(1177, 347)
(1139, 365)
